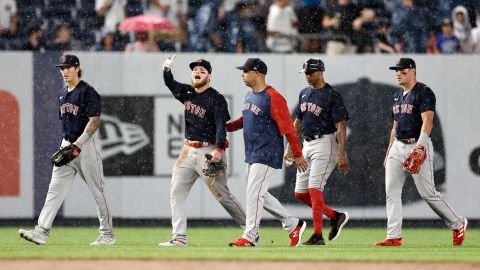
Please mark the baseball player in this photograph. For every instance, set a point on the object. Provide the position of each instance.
(265, 120)
(206, 114)
(79, 110)
(413, 112)
(322, 121)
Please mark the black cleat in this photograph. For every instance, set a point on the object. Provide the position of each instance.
(337, 225)
(315, 240)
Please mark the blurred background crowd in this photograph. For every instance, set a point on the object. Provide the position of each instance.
(239, 26)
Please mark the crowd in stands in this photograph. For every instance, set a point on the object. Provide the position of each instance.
(238, 26)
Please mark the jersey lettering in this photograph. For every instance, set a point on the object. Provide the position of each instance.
(195, 109)
(311, 107)
(255, 109)
(403, 108)
(252, 107)
(69, 108)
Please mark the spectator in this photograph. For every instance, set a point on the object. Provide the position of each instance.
(282, 27)
(310, 15)
(476, 35)
(447, 42)
(240, 32)
(410, 25)
(203, 27)
(111, 42)
(462, 28)
(112, 11)
(156, 7)
(64, 40)
(35, 40)
(338, 25)
(8, 22)
(176, 12)
(142, 43)
(363, 30)
(383, 38)
(258, 16)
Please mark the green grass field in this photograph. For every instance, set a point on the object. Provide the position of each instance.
(355, 244)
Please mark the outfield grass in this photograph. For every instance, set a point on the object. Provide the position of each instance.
(355, 244)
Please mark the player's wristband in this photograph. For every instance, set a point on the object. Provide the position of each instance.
(83, 138)
(218, 149)
(422, 140)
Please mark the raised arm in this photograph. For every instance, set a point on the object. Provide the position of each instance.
(179, 90)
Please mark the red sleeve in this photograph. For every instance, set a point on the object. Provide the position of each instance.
(235, 125)
(281, 116)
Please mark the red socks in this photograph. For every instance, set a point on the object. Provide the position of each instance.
(315, 200)
(317, 209)
(304, 197)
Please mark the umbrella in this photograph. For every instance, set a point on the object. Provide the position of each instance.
(146, 23)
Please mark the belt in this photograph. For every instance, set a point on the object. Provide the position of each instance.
(311, 138)
(408, 141)
(197, 144)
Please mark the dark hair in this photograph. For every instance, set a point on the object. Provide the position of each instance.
(34, 28)
(141, 36)
(80, 72)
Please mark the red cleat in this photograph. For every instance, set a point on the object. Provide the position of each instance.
(459, 235)
(242, 242)
(296, 235)
(390, 243)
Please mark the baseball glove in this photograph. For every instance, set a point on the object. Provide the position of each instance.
(414, 160)
(65, 154)
(211, 169)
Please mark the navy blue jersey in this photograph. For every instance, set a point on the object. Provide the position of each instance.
(206, 113)
(76, 107)
(407, 110)
(266, 119)
(320, 110)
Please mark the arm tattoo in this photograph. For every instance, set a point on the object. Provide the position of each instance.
(92, 125)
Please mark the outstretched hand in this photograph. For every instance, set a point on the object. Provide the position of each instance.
(168, 64)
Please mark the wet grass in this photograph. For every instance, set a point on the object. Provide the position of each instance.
(355, 244)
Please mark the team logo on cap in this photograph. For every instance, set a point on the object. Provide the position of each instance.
(63, 59)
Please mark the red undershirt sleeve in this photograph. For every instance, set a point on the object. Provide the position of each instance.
(281, 116)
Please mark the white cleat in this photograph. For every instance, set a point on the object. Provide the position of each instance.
(33, 236)
(104, 239)
(174, 243)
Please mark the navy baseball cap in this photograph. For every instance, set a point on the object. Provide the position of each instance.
(312, 65)
(68, 60)
(254, 64)
(203, 63)
(404, 63)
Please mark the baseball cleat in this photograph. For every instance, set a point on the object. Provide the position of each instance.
(459, 235)
(340, 220)
(315, 240)
(33, 236)
(242, 242)
(389, 243)
(296, 235)
(173, 243)
(104, 239)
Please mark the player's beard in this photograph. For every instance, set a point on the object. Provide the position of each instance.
(200, 84)
(250, 84)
